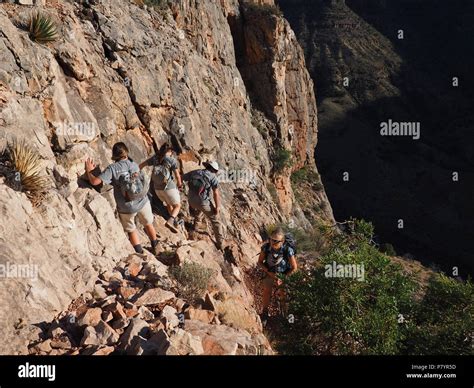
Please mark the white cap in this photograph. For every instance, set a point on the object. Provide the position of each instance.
(213, 164)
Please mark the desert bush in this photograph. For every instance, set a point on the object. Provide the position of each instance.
(382, 313)
(282, 159)
(193, 280)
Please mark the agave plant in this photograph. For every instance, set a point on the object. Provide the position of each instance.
(28, 168)
(42, 28)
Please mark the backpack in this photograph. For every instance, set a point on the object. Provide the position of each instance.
(283, 264)
(132, 185)
(199, 184)
(161, 176)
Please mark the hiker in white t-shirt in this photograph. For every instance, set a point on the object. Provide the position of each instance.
(166, 181)
(130, 193)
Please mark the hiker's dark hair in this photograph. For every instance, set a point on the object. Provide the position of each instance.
(165, 147)
(278, 232)
(119, 151)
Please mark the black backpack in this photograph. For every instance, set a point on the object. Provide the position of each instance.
(199, 183)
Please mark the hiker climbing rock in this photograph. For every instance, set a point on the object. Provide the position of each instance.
(165, 172)
(201, 183)
(277, 259)
(130, 193)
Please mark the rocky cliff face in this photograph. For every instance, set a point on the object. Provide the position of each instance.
(366, 73)
(125, 73)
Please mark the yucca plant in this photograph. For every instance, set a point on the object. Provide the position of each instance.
(42, 28)
(27, 170)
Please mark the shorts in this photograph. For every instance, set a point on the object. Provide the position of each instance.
(145, 216)
(169, 197)
(268, 281)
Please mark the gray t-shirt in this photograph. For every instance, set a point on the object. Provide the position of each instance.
(111, 176)
(171, 164)
(213, 183)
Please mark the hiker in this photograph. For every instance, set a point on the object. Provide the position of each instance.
(165, 172)
(201, 183)
(130, 193)
(277, 258)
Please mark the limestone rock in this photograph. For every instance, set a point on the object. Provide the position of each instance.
(90, 317)
(153, 296)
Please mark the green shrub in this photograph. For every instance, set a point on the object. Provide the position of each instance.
(388, 249)
(156, 3)
(264, 9)
(282, 159)
(42, 28)
(193, 280)
(382, 314)
(305, 174)
(273, 192)
(344, 315)
(443, 323)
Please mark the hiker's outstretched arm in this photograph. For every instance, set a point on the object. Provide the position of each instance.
(145, 163)
(90, 166)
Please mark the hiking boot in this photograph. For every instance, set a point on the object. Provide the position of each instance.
(171, 224)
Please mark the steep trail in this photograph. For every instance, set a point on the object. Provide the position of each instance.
(123, 74)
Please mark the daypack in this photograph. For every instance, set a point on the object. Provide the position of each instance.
(161, 176)
(133, 185)
(199, 184)
(283, 263)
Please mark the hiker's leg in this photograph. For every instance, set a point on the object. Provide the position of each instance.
(216, 226)
(151, 232)
(281, 295)
(145, 215)
(171, 199)
(175, 210)
(267, 292)
(197, 214)
(128, 224)
(133, 237)
(174, 202)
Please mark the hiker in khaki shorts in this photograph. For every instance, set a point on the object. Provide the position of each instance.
(130, 193)
(276, 259)
(166, 181)
(201, 183)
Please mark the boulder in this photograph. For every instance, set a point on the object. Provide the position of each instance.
(101, 334)
(153, 296)
(90, 317)
(137, 328)
(145, 314)
(169, 317)
(180, 343)
(199, 315)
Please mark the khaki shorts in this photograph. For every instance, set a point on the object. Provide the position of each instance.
(145, 216)
(169, 197)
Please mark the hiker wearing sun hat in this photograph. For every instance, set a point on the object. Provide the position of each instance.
(201, 183)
